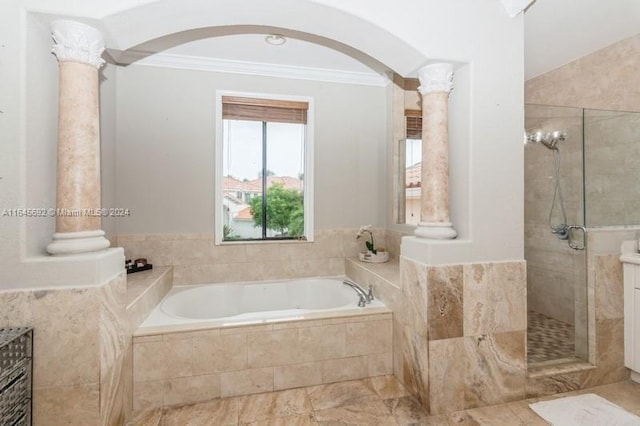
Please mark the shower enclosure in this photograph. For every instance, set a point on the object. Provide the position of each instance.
(581, 169)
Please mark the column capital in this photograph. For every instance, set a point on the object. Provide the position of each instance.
(77, 42)
(436, 78)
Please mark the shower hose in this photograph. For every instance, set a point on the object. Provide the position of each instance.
(560, 230)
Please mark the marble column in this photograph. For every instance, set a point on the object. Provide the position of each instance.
(78, 48)
(436, 81)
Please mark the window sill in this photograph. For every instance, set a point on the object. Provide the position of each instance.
(235, 243)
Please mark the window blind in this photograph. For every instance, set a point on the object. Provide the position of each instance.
(256, 109)
(413, 119)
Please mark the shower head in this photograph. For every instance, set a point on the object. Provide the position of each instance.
(548, 139)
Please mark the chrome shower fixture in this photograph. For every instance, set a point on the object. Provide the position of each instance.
(548, 139)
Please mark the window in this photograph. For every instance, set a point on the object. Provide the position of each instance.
(264, 171)
(410, 170)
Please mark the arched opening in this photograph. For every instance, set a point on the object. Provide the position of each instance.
(211, 42)
(169, 129)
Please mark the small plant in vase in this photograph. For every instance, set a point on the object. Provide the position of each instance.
(372, 254)
(371, 245)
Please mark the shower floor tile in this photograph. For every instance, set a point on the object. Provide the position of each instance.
(548, 338)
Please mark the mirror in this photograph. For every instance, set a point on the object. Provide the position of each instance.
(409, 173)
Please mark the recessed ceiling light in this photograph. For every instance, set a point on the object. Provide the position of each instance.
(275, 39)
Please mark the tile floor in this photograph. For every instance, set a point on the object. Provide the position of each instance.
(376, 401)
(548, 339)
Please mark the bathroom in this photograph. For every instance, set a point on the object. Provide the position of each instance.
(158, 127)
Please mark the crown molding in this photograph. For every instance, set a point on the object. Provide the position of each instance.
(199, 63)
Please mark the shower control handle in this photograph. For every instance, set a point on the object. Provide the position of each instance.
(572, 243)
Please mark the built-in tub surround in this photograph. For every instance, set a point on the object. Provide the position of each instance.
(144, 291)
(252, 355)
(197, 260)
(78, 48)
(82, 351)
(450, 319)
(436, 81)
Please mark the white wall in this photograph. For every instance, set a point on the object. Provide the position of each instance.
(41, 136)
(11, 132)
(488, 118)
(166, 137)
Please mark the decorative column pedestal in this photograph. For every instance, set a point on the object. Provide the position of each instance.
(435, 85)
(78, 48)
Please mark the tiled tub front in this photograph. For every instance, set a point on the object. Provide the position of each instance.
(185, 367)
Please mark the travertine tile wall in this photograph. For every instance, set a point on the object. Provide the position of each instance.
(486, 303)
(187, 367)
(392, 242)
(459, 330)
(82, 352)
(116, 353)
(606, 79)
(196, 259)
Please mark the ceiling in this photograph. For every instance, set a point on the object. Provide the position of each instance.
(253, 48)
(556, 33)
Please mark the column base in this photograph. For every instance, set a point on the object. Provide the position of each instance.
(77, 242)
(436, 230)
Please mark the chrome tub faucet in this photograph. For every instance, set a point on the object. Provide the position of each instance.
(365, 297)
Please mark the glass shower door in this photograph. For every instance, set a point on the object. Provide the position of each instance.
(554, 234)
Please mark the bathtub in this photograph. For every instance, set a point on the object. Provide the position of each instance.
(222, 340)
(188, 308)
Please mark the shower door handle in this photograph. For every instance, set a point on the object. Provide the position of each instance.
(571, 241)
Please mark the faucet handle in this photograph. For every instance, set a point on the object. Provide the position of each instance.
(362, 302)
(370, 294)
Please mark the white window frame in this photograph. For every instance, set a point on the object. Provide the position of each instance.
(308, 166)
